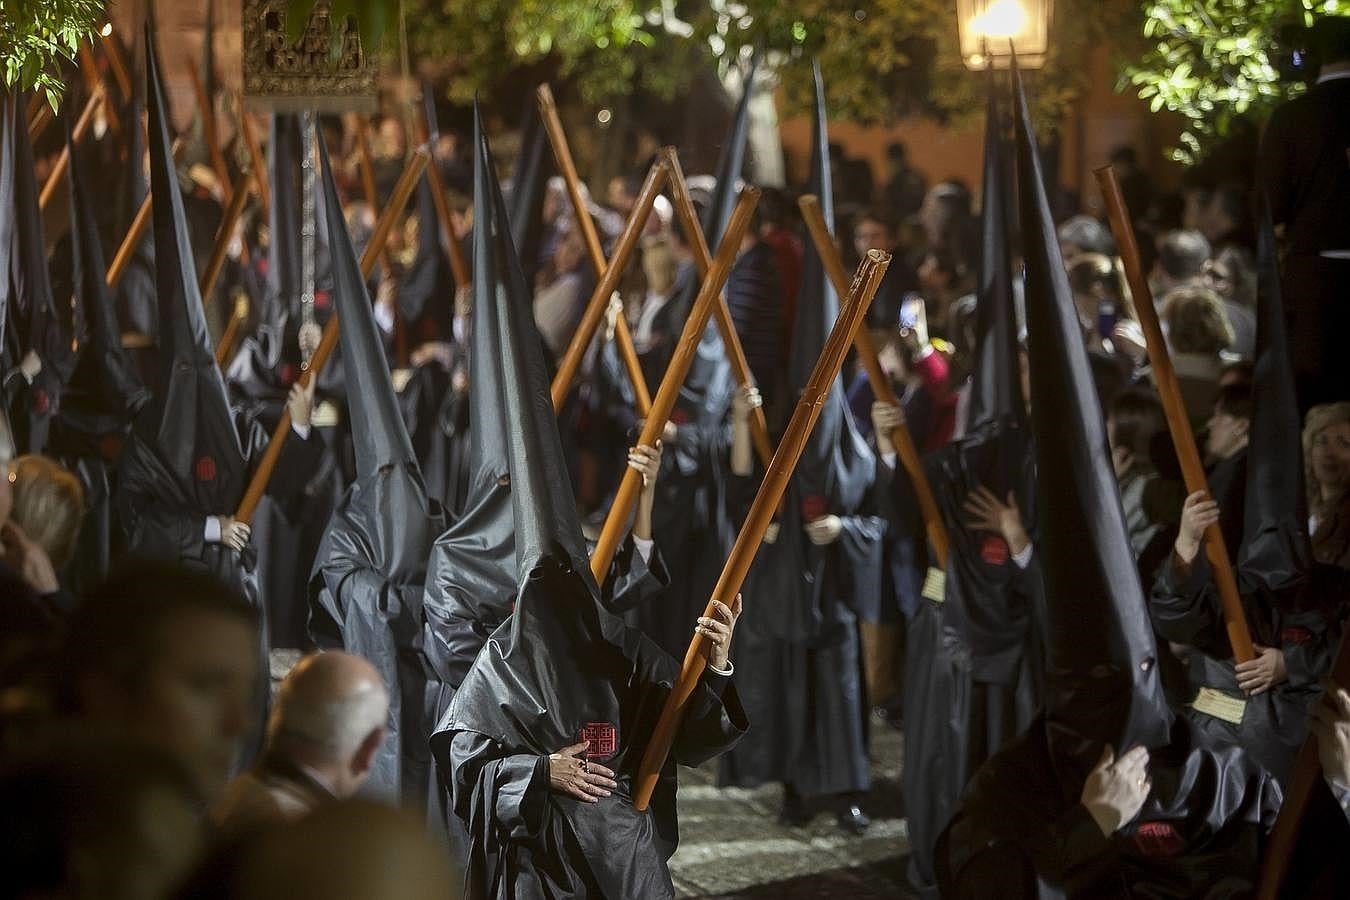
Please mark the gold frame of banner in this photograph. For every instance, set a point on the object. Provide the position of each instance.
(281, 76)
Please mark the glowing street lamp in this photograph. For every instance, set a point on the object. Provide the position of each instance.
(987, 26)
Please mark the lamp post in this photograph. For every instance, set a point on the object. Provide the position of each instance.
(987, 26)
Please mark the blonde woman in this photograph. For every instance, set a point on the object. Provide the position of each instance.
(1326, 454)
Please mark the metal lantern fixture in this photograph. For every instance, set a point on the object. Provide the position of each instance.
(987, 27)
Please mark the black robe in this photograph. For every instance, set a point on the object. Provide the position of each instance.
(514, 709)
(1303, 620)
(1022, 833)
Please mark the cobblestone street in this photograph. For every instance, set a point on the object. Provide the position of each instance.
(732, 846)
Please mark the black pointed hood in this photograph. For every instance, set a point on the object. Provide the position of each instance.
(533, 167)
(388, 505)
(283, 225)
(472, 574)
(427, 290)
(996, 386)
(730, 165)
(32, 320)
(189, 423)
(1101, 672)
(561, 665)
(836, 466)
(547, 525)
(104, 393)
(1275, 551)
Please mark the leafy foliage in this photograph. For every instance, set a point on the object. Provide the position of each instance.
(37, 35)
(1214, 61)
(881, 58)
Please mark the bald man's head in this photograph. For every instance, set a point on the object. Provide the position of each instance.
(330, 715)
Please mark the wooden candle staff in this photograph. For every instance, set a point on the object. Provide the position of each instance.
(616, 523)
(562, 153)
(141, 221)
(93, 80)
(1165, 377)
(459, 266)
(206, 108)
(1302, 784)
(63, 160)
(257, 486)
(223, 237)
(609, 282)
(228, 340)
(761, 512)
(740, 366)
(112, 48)
(905, 450)
(257, 162)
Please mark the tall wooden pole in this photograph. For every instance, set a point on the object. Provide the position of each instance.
(223, 237)
(82, 124)
(1169, 391)
(225, 348)
(562, 153)
(257, 162)
(459, 266)
(731, 341)
(113, 50)
(127, 249)
(761, 513)
(609, 283)
(616, 523)
(206, 108)
(257, 486)
(93, 80)
(905, 450)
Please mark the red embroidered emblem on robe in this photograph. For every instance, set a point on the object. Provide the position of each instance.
(604, 739)
(110, 446)
(322, 300)
(679, 416)
(994, 550)
(286, 373)
(42, 401)
(1159, 839)
(205, 469)
(813, 507)
(1295, 635)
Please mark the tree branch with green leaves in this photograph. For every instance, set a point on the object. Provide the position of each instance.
(37, 37)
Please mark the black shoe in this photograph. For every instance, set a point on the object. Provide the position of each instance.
(852, 819)
(794, 813)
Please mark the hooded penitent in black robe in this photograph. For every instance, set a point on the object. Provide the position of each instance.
(798, 645)
(434, 409)
(32, 323)
(287, 530)
(103, 396)
(471, 577)
(971, 666)
(1291, 602)
(1021, 830)
(189, 456)
(561, 668)
(366, 588)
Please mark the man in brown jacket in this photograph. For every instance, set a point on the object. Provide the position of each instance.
(324, 732)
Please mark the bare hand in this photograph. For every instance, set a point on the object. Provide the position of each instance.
(718, 631)
(824, 531)
(1258, 675)
(28, 558)
(746, 399)
(1329, 720)
(1116, 789)
(646, 461)
(569, 772)
(1197, 514)
(432, 351)
(1128, 337)
(30, 365)
(886, 417)
(1004, 519)
(234, 534)
(300, 402)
